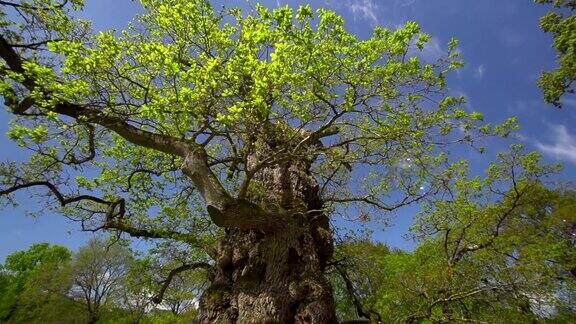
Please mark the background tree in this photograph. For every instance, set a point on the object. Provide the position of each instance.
(103, 282)
(136, 295)
(46, 297)
(237, 134)
(562, 24)
(156, 285)
(358, 275)
(182, 295)
(99, 273)
(496, 249)
(33, 287)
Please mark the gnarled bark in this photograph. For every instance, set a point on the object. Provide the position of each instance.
(274, 274)
(268, 279)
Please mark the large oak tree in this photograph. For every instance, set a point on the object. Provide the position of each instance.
(236, 133)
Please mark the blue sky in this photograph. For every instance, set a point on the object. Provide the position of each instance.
(501, 44)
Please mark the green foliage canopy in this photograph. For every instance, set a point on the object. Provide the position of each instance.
(495, 249)
(562, 25)
(188, 80)
(20, 276)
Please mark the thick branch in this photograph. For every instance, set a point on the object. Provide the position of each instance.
(145, 233)
(224, 210)
(244, 215)
(135, 135)
(14, 61)
(197, 168)
(231, 213)
(115, 213)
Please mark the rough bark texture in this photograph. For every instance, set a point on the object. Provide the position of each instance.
(276, 277)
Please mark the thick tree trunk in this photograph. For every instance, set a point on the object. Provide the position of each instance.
(268, 279)
(276, 276)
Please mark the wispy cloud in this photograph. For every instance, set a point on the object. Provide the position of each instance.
(511, 38)
(365, 9)
(479, 71)
(526, 107)
(563, 146)
(405, 3)
(568, 102)
(389, 13)
(432, 51)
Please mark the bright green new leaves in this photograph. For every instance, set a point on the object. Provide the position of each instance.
(555, 84)
(373, 115)
(20, 133)
(192, 64)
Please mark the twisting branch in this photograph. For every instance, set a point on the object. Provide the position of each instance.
(61, 199)
(157, 299)
(407, 200)
(140, 170)
(35, 45)
(365, 199)
(115, 213)
(115, 221)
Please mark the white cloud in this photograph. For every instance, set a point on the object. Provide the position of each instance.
(563, 146)
(521, 137)
(568, 102)
(511, 38)
(405, 3)
(479, 71)
(431, 52)
(365, 9)
(389, 13)
(528, 107)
